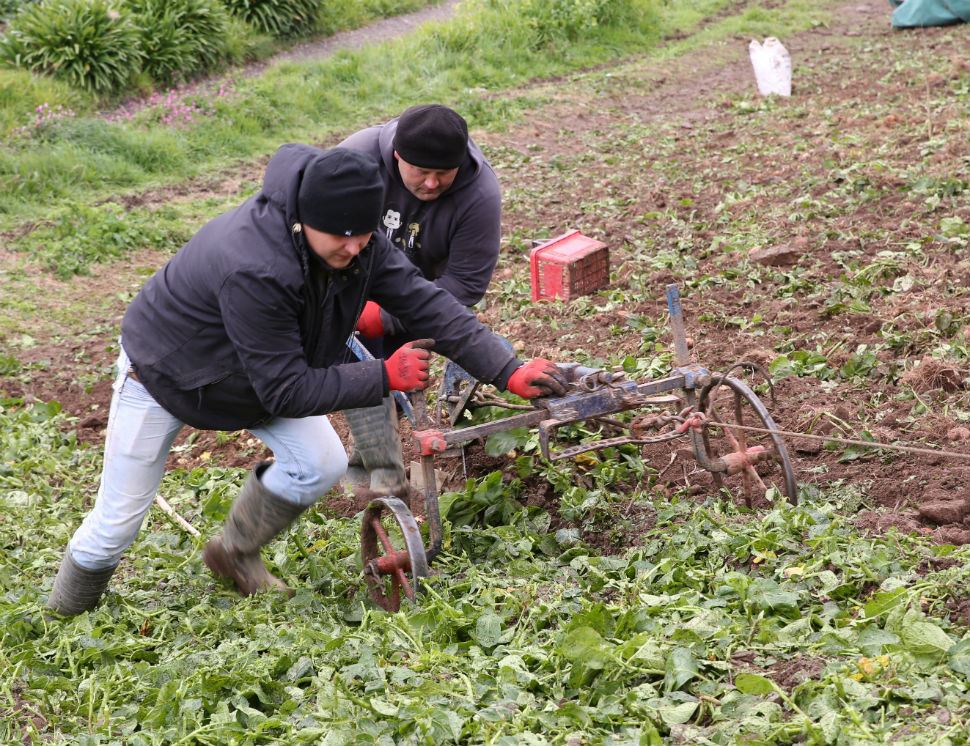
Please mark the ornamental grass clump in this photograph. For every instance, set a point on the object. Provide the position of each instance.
(180, 38)
(9, 8)
(87, 43)
(281, 18)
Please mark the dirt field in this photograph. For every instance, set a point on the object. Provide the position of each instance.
(859, 182)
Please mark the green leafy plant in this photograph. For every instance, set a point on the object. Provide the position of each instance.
(9, 8)
(88, 43)
(281, 18)
(180, 38)
(489, 501)
(860, 364)
(802, 363)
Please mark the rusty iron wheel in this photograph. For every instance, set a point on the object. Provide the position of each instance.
(761, 459)
(392, 553)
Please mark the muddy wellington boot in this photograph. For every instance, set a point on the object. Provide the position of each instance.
(256, 517)
(77, 589)
(376, 466)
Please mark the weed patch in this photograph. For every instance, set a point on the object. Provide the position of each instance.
(82, 236)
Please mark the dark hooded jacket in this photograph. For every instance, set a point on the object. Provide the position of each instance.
(245, 323)
(453, 240)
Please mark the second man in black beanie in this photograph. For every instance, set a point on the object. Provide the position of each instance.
(443, 209)
(431, 137)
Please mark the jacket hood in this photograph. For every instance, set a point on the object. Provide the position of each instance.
(466, 172)
(284, 174)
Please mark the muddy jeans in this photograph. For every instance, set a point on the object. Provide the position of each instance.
(309, 460)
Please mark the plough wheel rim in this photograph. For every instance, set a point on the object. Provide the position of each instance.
(371, 550)
(783, 460)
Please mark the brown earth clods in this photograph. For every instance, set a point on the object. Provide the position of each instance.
(682, 153)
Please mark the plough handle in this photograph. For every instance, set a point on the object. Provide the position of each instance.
(681, 355)
(432, 512)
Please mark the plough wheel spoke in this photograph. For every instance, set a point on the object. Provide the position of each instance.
(760, 460)
(392, 553)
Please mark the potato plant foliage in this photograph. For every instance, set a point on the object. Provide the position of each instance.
(523, 636)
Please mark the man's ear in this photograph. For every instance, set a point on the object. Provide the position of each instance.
(397, 156)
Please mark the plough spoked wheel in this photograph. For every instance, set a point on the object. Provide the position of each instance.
(762, 458)
(391, 552)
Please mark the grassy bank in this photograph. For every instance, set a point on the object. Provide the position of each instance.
(82, 158)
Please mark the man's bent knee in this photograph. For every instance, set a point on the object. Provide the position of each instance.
(311, 483)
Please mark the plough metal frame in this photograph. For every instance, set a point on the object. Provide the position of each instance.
(391, 572)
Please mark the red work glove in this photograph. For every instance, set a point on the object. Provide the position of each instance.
(407, 369)
(536, 378)
(369, 324)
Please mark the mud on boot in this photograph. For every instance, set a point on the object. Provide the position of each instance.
(257, 516)
(377, 460)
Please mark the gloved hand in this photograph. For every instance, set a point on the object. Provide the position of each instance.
(407, 369)
(370, 324)
(536, 378)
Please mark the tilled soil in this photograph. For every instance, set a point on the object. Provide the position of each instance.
(683, 171)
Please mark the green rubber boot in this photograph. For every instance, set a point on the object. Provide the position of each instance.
(256, 517)
(376, 465)
(77, 589)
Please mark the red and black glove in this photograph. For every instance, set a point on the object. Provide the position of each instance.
(407, 369)
(370, 324)
(537, 378)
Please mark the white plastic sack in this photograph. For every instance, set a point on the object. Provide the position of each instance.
(772, 67)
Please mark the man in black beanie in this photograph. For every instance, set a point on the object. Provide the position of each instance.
(443, 209)
(245, 328)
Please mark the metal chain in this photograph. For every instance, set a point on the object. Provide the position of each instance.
(852, 441)
(686, 419)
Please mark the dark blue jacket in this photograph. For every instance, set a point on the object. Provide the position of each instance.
(245, 323)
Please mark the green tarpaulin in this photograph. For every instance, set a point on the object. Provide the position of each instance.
(916, 13)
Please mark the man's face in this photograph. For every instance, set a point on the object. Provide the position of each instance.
(336, 251)
(427, 184)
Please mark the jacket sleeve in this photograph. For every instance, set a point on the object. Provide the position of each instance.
(260, 316)
(428, 311)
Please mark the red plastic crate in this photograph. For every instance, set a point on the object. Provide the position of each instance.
(568, 266)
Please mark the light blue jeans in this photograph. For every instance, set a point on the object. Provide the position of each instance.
(309, 460)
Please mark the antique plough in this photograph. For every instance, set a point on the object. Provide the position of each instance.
(712, 410)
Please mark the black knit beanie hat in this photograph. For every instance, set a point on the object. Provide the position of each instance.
(431, 136)
(341, 193)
